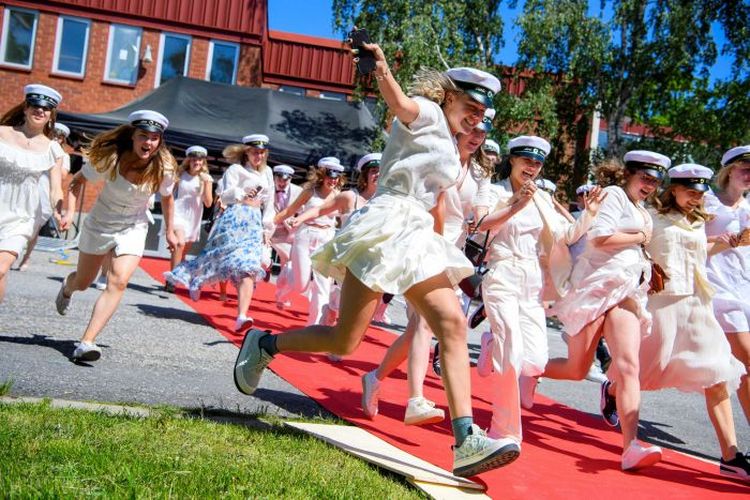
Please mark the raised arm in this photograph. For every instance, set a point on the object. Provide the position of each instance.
(402, 107)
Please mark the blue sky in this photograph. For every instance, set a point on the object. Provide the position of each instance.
(315, 18)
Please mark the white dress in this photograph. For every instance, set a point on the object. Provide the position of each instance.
(729, 271)
(45, 211)
(120, 217)
(602, 277)
(188, 206)
(390, 244)
(472, 190)
(20, 171)
(687, 348)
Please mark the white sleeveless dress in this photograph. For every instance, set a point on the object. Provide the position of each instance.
(20, 171)
(389, 244)
(188, 207)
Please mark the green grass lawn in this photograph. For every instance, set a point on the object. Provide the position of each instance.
(46, 452)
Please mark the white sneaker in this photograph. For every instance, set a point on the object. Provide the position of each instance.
(250, 363)
(62, 303)
(638, 456)
(334, 358)
(195, 294)
(484, 363)
(595, 374)
(370, 389)
(526, 390)
(101, 282)
(86, 351)
(478, 453)
(243, 322)
(421, 411)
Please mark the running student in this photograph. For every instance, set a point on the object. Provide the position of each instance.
(405, 255)
(609, 283)
(193, 193)
(134, 162)
(26, 154)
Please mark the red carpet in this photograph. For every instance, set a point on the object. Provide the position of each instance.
(565, 453)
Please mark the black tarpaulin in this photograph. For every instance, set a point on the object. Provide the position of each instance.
(214, 115)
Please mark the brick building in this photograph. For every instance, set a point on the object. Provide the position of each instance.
(101, 54)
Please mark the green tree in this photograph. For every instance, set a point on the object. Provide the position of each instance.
(441, 34)
(648, 63)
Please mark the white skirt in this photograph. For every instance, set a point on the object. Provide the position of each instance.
(596, 290)
(687, 348)
(390, 245)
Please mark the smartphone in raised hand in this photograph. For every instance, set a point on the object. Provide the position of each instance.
(366, 59)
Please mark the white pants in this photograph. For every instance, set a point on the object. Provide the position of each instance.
(306, 241)
(283, 248)
(512, 294)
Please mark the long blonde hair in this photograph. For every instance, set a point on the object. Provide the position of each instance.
(185, 166)
(612, 172)
(15, 117)
(667, 202)
(433, 85)
(316, 176)
(237, 153)
(112, 147)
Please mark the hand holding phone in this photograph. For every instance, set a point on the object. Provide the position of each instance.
(364, 58)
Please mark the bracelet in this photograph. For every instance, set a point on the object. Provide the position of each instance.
(645, 238)
(382, 77)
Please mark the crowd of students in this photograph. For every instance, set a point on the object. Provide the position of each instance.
(661, 271)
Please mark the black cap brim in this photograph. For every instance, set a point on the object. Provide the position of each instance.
(656, 174)
(528, 154)
(150, 128)
(333, 174)
(479, 97)
(485, 126)
(39, 102)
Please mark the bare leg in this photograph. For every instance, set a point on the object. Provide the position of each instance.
(581, 351)
(623, 334)
(398, 351)
(118, 277)
(179, 251)
(740, 343)
(419, 357)
(223, 291)
(86, 271)
(245, 291)
(29, 248)
(6, 260)
(357, 307)
(720, 412)
(436, 301)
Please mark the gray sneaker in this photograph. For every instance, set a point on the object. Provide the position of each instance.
(479, 453)
(86, 351)
(250, 363)
(62, 303)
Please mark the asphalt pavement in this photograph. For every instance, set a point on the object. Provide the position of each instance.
(158, 351)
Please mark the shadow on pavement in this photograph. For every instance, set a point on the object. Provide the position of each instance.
(171, 313)
(64, 347)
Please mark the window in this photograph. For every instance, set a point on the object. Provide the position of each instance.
(123, 52)
(174, 57)
(333, 96)
(222, 62)
(290, 89)
(71, 45)
(19, 33)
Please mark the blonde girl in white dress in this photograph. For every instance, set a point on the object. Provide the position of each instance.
(193, 193)
(134, 163)
(343, 204)
(729, 271)
(390, 247)
(467, 200)
(524, 225)
(323, 184)
(687, 348)
(26, 154)
(608, 296)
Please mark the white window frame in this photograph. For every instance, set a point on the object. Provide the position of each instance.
(58, 44)
(209, 63)
(4, 36)
(110, 37)
(336, 96)
(299, 91)
(160, 60)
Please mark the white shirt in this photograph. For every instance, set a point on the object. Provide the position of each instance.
(421, 159)
(237, 181)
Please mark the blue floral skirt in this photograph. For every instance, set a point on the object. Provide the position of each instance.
(232, 252)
